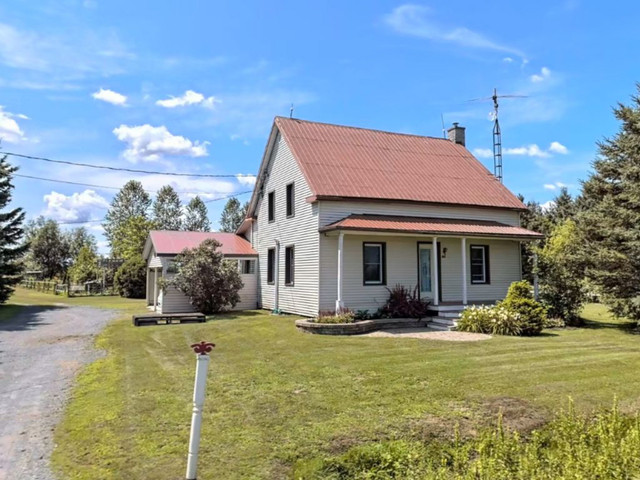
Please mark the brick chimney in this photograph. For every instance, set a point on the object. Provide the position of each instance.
(456, 134)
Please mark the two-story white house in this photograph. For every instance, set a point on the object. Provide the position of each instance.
(338, 214)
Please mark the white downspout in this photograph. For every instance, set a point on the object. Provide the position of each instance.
(434, 255)
(276, 300)
(464, 270)
(535, 276)
(155, 289)
(339, 301)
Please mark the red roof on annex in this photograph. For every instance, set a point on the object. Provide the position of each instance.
(167, 242)
(350, 162)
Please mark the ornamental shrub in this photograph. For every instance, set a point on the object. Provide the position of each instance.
(403, 303)
(495, 320)
(130, 279)
(346, 316)
(531, 313)
(211, 282)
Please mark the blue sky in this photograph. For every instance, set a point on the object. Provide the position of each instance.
(194, 86)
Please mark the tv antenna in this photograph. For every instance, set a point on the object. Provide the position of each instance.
(497, 133)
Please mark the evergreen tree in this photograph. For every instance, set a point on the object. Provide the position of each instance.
(197, 217)
(610, 223)
(167, 209)
(11, 232)
(232, 215)
(536, 219)
(50, 250)
(563, 208)
(130, 201)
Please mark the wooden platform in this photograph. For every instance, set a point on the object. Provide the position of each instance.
(167, 318)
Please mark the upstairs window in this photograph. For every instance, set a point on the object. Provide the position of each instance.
(271, 264)
(271, 204)
(373, 263)
(289, 265)
(290, 200)
(479, 264)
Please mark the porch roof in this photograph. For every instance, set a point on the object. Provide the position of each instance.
(426, 225)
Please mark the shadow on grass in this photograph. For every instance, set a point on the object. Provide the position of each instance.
(241, 314)
(25, 317)
(624, 325)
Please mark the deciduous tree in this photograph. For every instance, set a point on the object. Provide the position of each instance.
(50, 250)
(130, 237)
(130, 201)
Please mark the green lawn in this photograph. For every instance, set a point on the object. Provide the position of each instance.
(276, 395)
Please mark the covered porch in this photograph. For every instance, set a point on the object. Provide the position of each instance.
(450, 262)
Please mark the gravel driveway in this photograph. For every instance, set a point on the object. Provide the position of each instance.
(41, 351)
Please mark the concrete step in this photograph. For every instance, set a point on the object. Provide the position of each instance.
(442, 323)
(449, 314)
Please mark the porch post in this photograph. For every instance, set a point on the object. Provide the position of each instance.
(434, 255)
(464, 270)
(339, 302)
(535, 276)
(155, 289)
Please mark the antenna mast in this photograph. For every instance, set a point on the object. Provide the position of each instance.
(497, 139)
(497, 133)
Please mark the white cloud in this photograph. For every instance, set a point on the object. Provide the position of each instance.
(554, 186)
(189, 98)
(148, 144)
(507, 60)
(414, 20)
(557, 147)
(544, 74)
(78, 207)
(110, 96)
(10, 131)
(546, 206)
(532, 150)
(483, 152)
(248, 180)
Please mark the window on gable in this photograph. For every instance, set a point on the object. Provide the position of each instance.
(290, 200)
(272, 206)
(479, 264)
(373, 259)
(271, 264)
(289, 265)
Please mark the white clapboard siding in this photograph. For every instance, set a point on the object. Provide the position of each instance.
(154, 261)
(332, 211)
(301, 231)
(402, 268)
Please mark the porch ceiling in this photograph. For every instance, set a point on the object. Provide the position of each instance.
(430, 226)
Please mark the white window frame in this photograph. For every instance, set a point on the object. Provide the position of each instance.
(380, 247)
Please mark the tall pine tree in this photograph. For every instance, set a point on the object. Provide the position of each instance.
(232, 215)
(130, 201)
(196, 218)
(11, 231)
(167, 209)
(610, 221)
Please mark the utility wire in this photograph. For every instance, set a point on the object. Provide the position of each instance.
(122, 169)
(78, 222)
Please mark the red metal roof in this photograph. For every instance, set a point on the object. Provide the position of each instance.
(167, 242)
(349, 162)
(396, 224)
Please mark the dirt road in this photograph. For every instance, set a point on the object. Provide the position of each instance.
(41, 351)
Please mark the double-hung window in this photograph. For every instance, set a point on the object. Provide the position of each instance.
(479, 264)
(290, 200)
(289, 265)
(271, 204)
(271, 265)
(373, 259)
(247, 267)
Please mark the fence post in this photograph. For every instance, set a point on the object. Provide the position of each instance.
(202, 363)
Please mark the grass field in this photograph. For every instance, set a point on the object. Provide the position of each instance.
(276, 395)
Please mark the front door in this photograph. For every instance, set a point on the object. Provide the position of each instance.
(425, 272)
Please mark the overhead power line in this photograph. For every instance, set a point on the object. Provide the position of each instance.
(123, 169)
(78, 222)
